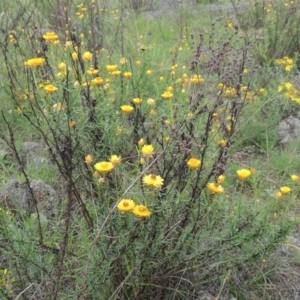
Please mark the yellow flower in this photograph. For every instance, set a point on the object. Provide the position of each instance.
(34, 62)
(103, 167)
(50, 36)
(141, 142)
(50, 89)
(87, 56)
(167, 95)
(61, 66)
(127, 75)
(151, 101)
(141, 211)
(230, 24)
(215, 188)
(243, 174)
(285, 190)
(221, 179)
(147, 150)
(123, 60)
(197, 79)
(115, 160)
(111, 68)
(278, 195)
(295, 177)
(222, 143)
(57, 107)
(72, 124)
(92, 71)
(153, 181)
(149, 72)
(88, 159)
(127, 109)
(97, 81)
(138, 62)
(74, 56)
(125, 205)
(115, 73)
(137, 101)
(193, 163)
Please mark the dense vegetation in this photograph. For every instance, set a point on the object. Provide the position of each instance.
(155, 136)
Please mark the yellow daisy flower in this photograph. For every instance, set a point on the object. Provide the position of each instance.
(141, 211)
(147, 150)
(153, 181)
(115, 160)
(125, 205)
(215, 188)
(103, 167)
(243, 174)
(285, 190)
(193, 163)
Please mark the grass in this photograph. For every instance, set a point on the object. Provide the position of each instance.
(213, 93)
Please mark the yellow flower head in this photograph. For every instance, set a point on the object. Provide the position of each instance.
(88, 159)
(57, 106)
(50, 36)
(141, 211)
(61, 66)
(123, 60)
(125, 205)
(111, 68)
(197, 79)
(72, 124)
(221, 179)
(137, 101)
(150, 101)
(222, 143)
(87, 56)
(127, 75)
(285, 190)
(153, 181)
(167, 95)
(97, 81)
(295, 177)
(115, 160)
(50, 89)
(74, 56)
(127, 109)
(215, 188)
(92, 71)
(147, 150)
(278, 195)
(115, 73)
(243, 174)
(141, 142)
(34, 62)
(193, 163)
(103, 167)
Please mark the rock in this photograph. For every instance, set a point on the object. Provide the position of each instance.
(46, 198)
(34, 152)
(289, 130)
(17, 197)
(14, 197)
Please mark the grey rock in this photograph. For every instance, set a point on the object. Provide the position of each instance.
(289, 130)
(18, 198)
(46, 198)
(14, 196)
(34, 152)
